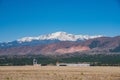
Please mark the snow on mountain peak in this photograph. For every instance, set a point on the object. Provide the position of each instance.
(62, 36)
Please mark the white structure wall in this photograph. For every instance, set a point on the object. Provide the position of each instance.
(65, 64)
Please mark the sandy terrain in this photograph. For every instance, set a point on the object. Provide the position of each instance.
(58, 73)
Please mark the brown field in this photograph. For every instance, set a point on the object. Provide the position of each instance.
(58, 73)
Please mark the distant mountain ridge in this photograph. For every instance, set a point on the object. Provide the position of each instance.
(96, 45)
(62, 36)
(46, 39)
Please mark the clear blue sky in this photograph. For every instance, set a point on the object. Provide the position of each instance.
(20, 18)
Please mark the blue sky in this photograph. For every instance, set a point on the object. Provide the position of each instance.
(20, 18)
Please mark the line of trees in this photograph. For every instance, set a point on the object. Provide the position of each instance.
(94, 60)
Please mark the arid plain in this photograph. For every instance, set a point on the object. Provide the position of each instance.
(58, 73)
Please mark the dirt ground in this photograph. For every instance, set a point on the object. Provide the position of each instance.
(58, 73)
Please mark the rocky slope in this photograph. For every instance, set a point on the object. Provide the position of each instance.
(102, 44)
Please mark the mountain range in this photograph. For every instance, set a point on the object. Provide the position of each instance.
(62, 36)
(46, 39)
(60, 43)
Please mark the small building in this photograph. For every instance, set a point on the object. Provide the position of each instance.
(73, 64)
(35, 63)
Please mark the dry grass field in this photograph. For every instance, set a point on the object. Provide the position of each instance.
(58, 73)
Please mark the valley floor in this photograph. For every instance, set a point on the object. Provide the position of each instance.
(58, 73)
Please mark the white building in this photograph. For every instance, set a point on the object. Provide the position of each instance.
(73, 64)
(35, 63)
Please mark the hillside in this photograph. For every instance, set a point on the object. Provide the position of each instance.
(102, 44)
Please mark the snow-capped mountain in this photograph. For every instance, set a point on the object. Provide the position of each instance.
(103, 45)
(62, 36)
(46, 39)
